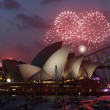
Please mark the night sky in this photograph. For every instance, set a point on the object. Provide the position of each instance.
(24, 23)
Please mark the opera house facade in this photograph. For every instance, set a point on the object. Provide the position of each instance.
(53, 69)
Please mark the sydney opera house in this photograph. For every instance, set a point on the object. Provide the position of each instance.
(53, 69)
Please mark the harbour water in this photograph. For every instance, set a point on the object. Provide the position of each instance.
(54, 103)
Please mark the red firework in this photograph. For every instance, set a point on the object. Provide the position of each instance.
(89, 29)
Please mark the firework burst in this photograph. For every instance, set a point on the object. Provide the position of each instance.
(96, 29)
(82, 49)
(90, 29)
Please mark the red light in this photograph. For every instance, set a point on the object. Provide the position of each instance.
(0, 64)
(10, 58)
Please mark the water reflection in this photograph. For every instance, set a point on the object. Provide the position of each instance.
(54, 103)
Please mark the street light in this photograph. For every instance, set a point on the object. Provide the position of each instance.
(8, 80)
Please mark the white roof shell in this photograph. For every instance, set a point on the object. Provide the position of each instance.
(73, 68)
(90, 67)
(28, 70)
(82, 72)
(41, 75)
(58, 59)
(75, 65)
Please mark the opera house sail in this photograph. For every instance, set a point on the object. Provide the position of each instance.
(58, 59)
(28, 70)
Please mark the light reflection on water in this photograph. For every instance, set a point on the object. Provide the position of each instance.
(41, 102)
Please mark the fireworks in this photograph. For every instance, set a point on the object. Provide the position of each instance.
(82, 49)
(90, 29)
(96, 29)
